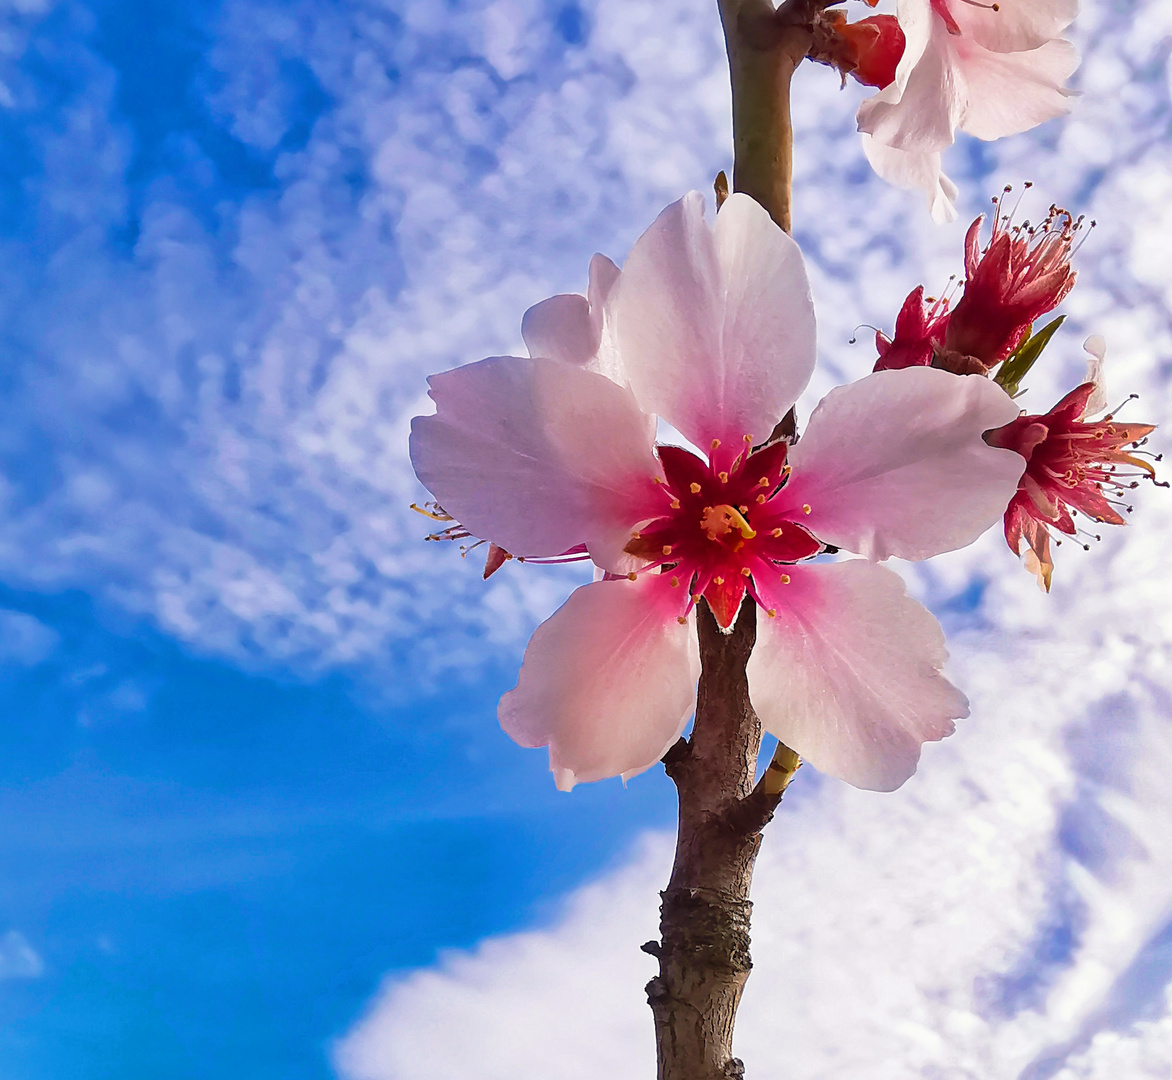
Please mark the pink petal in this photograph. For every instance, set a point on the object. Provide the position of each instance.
(915, 169)
(919, 112)
(538, 455)
(716, 326)
(1006, 93)
(569, 327)
(894, 464)
(608, 682)
(848, 673)
(1014, 25)
(560, 328)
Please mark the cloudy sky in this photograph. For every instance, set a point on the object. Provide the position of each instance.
(256, 817)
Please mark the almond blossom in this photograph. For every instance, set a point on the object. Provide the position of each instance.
(989, 69)
(711, 329)
(1072, 464)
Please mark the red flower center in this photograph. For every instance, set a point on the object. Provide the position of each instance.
(723, 529)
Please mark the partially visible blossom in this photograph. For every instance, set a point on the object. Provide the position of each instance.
(713, 330)
(990, 70)
(1072, 466)
(1022, 273)
(919, 328)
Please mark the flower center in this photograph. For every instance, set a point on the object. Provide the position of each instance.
(718, 521)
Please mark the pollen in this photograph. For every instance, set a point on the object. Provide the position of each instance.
(720, 520)
(682, 620)
(763, 482)
(762, 498)
(675, 582)
(785, 579)
(632, 576)
(715, 444)
(723, 477)
(776, 533)
(718, 580)
(745, 570)
(667, 549)
(694, 488)
(772, 613)
(675, 504)
(805, 508)
(748, 439)
(658, 480)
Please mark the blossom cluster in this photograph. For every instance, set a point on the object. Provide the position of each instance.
(1074, 465)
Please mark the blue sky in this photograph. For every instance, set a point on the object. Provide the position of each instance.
(251, 771)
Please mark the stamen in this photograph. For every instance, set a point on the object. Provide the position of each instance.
(675, 582)
(682, 620)
(438, 514)
(806, 508)
(776, 533)
(674, 504)
(771, 612)
(785, 579)
(748, 439)
(763, 482)
(718, 580)
(694, 488)
(762, 498)
(723, 477)
(715, 444)
(667, 549)
(632, 576)
(745, 571)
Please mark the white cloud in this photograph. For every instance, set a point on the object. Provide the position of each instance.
(24, 640)
(18, 960)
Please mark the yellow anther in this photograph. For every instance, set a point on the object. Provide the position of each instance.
(694, 488)
(715, 443)
(667, 549)
(762, 498)
(721, 520)
(682, 620)
(763, 482)
(675, 582)
(718, 581)
(785, 579)
(745, 571)
(636, 535)
(748, 439)
(632, 576)
(437, 514)
(805, 508)
(772, 613)
(723, 477)
(695, 598)
(675, 504)
(743, 509)
(658, 480)
(776, 532)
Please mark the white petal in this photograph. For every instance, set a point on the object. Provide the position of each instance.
(716, 326)
(608, 682)
(1013, 25)
(560, 328)
(1006, 93)
(538, 455)
(848, 673)
(915, 169)
(570, 327)
(894, 464)
(1096, 348)
(925, 114)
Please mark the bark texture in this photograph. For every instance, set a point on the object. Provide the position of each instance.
(703, 953)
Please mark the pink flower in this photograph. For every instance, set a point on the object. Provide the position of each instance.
(1021, 274)
(990, 69)
(1070, 465)
(713, 330)
(919, 329)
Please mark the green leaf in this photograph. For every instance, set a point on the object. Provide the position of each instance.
(1024, 356)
